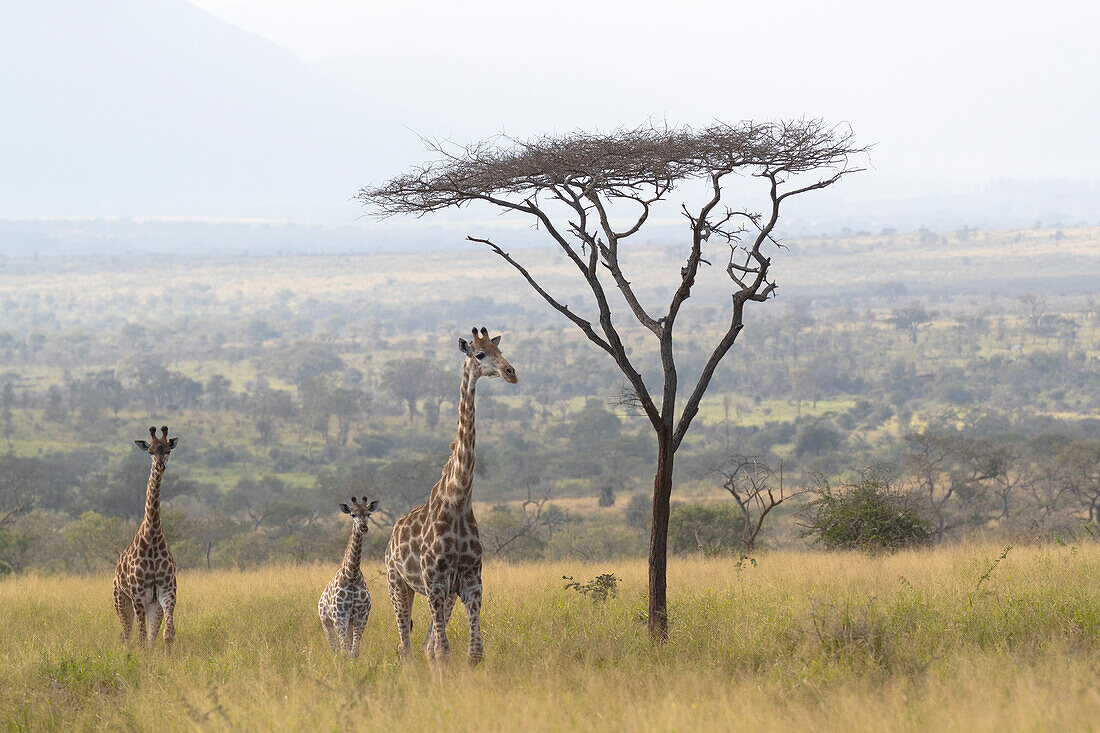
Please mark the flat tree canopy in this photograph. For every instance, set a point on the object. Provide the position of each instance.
(619, 165)
(575, 185)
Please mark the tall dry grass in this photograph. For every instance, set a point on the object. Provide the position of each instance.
(800, 640)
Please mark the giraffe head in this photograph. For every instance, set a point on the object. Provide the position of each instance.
(158, 448)
(483, 356)
(360, 510)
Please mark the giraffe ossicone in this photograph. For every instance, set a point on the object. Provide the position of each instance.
(145, 575)
(344, 605)
(435, 549)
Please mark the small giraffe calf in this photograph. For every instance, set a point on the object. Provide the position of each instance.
(345, 604)
(145, 576)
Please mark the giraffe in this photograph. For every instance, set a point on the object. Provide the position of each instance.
(345, 603)
(435, 549)
(145, 576)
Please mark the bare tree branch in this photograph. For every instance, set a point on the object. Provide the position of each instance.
(757, 489)
(531, 520)
(582, 324)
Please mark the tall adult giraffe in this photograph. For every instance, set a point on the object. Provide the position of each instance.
(435, 549)
(145, 576)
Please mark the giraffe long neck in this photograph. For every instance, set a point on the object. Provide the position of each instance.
(354, 553)
(458, 475)
(152, 498)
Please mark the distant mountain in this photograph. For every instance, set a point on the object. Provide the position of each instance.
(1005, 204)
(106, 237)
(157, 108)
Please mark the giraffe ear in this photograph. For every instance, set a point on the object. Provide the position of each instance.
(463, 346)
(496, 340)
(142, 445)
(345, 509)
(172, 443)
(372, 506)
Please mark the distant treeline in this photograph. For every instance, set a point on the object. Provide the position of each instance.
(986, 415)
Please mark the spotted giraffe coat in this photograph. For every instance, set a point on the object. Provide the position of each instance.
(344, 605)
(435, 549)
(145, 575)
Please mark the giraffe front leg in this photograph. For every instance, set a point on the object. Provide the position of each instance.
(357, 636)
(402, 596)
(139, 616)
(342, 626)
(330, 634)
(471, 599)
(124, 607)
(168, 607)
(326, 611)
(429, 639)
(440, 647)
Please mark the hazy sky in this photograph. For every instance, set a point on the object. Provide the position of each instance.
(949, 91)
(282, 109)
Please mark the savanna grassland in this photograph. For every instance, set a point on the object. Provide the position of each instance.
(965, 363)
(953, 639)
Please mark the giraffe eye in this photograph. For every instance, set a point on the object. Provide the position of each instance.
(480, 355)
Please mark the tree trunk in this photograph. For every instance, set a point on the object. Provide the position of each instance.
(658, 537)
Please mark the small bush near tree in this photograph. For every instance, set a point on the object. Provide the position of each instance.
(871, 514)
(598, 590)
(712, 529)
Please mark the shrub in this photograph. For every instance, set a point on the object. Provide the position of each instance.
(817, 438)
(598, 590)
(871, 514)
(716, 527)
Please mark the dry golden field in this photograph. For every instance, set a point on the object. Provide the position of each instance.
(945, 639)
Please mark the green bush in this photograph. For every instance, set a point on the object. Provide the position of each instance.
(598, 590)
(871, 514)
(716, 526)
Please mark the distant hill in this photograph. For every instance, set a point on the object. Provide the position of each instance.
(1004, 204)
(138, 109)
(103, 113)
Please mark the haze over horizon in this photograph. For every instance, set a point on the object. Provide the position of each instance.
(281, 110)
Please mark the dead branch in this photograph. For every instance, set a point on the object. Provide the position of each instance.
(757, 489)
(532, 516)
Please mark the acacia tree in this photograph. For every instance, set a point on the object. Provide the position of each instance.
(591, 192)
